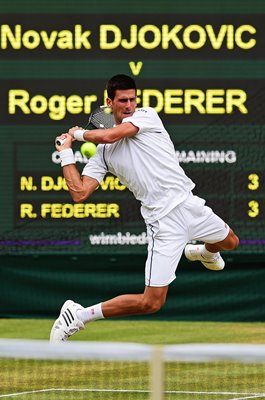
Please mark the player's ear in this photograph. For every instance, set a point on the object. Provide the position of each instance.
(109, 102)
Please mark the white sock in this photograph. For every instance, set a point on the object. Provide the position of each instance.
(91, 313)
(208, 254)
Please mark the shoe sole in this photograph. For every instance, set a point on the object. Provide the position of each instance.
(212, 267)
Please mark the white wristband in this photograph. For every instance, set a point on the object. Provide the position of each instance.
(67, 157)
(79, 135)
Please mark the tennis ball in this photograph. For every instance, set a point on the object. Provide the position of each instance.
(88, 149)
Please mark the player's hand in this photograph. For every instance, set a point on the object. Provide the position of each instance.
(72, 130)
(66, 140)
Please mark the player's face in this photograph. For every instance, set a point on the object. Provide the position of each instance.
(123, 105)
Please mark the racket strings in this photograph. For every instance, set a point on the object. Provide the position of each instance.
(102, 119)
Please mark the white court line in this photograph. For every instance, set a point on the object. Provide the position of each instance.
(73, 390)
(249, 395)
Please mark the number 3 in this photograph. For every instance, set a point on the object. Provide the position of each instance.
(254, 182)
(254, 209)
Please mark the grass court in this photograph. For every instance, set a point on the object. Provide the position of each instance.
(80, 380)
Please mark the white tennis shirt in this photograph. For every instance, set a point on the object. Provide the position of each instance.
(146, 163)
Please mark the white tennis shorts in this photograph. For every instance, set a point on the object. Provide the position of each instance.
(167, 237)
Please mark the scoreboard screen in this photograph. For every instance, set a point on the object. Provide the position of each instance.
(201, 66)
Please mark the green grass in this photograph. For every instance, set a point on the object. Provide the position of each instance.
(151, 332)
(103, 380)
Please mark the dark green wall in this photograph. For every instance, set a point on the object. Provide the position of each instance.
(36, 287)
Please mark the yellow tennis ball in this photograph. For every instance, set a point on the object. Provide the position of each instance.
(88, 149)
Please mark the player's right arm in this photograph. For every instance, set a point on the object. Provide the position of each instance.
(105, 136)
(80, 187)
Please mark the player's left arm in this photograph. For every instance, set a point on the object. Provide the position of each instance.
(111, 135)
(80, 187)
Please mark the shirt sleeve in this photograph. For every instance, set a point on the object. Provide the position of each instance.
(96, 167)
(146, 119)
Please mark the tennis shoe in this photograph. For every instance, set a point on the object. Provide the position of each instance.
(67, 323)
(194, 253)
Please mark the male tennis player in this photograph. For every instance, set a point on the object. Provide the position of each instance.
(138, 150)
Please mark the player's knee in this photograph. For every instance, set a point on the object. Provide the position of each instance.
(151, 306)
(233, 242)
(230, 243)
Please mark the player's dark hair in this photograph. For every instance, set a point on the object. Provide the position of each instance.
(119, 82)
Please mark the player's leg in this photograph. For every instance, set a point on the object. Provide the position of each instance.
(148, 302)
(213, 231)
(209, 253)
(229, 243)
(73, 316)
(165, 247)
(164, 251)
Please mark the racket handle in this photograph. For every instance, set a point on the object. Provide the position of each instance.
(60, 142)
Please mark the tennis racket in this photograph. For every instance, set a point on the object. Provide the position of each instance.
(101, 118)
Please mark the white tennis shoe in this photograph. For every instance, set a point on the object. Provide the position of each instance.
(67, 323)
(194, 253)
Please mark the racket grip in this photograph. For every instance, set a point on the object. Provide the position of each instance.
(60, 142)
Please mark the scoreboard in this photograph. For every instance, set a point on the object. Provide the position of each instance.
(201, 66)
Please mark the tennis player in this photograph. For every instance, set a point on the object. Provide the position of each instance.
(139, 151)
